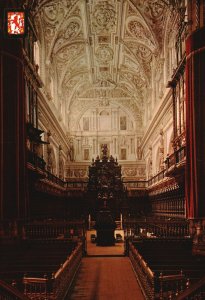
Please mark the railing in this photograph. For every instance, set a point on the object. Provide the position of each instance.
(169, 207)
(35, 160)
(161, 287)
(36, 288)
(64, 276)
(76, 185)
(38, 162)
(158, 228)
(175, 158)
(171, 285)
(170, 161)
(53, 229)
(156, 178)
(54, 288)
(194, 291)
(130, 184)
(144, 274)
(55, 179)
(8, 292)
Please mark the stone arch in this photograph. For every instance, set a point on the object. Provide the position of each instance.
(104, 113)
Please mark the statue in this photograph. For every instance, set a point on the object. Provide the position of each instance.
(139, 153)
(161, 152)
(139, 150)
(104, 149)
(71, 153)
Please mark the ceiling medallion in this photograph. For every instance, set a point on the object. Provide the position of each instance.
(104, 54)
(104, 17)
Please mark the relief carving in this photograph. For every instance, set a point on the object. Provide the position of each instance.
(87, 71)
(137, 30)
(104, 54)
(80, 173)
(51, 12)
(72, 30)
(151, 8)
(155, 14)
(131, 172)
(129, 63)
(139, 150)
(144, 53)
(76, 173)
(104, 17)
(68, 53)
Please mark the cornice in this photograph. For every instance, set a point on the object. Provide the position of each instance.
(31, 72)
(164, 105)
(138, 163)
(45, 109)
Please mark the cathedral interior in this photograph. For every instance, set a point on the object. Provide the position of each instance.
(102, 153)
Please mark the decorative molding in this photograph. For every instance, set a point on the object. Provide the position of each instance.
(50, 121)
(161, 111)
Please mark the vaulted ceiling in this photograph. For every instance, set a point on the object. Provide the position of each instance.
(98, 52)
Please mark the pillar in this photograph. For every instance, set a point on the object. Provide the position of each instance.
(13, 195)
(195, 124)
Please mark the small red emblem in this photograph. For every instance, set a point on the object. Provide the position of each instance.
(15, 22)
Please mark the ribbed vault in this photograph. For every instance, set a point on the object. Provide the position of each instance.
(100, 52)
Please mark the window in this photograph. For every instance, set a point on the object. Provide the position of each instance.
(123, 123)
(123, 154)
(86, 123)
(86, 154)
(105, 121)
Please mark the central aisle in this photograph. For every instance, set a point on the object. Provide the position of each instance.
(94, 250)
(106, 278)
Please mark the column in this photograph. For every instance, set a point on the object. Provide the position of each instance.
(13, 186)
(195, 125)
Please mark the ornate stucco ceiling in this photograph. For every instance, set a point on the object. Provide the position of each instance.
(96, 50)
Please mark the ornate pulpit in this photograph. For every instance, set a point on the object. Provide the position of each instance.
(106, 188)
(105, 183)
